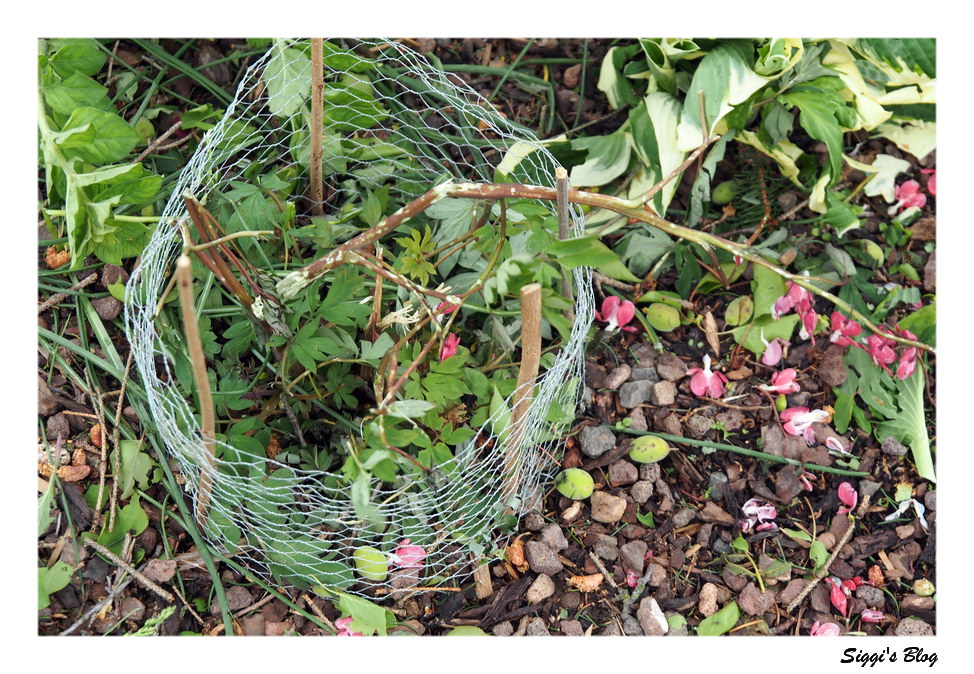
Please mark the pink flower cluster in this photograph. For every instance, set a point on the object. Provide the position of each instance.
(881, 350)
(616, 314)
(841, 590)
(908, 194)
(801, 301)
(758, 516)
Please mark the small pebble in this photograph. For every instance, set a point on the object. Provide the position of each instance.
(596, 440)
(553, 537)
(542, 588)
(617, 377)
(664, 393)
(607, 508)
(641, 491)
(635, 393)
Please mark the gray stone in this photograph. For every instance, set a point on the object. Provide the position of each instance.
(571, 628)
(606, 547)
(930, 499)
(541, 558)
(596, 440)
(893, 447)
(542, 588)
(634, 555)
(650, 472)
(644, 374)
(670, 367)
(533, 521)
(717, 485)
(873, 596)
(651, 618)
(635, 393)
(618, 377)
(622, 472)
(607, 508)
(914, 602)
(699, 426)
(657, 574)
(107, 308)
(664, 393)
(504, 629)
(631, 626)
(612, 630)
(641, 491)
(58, 427)
(553, 537)
(912, 627)
(537, 628)
(707, 601)
(683, 517)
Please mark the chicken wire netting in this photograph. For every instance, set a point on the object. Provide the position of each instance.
(423, 128)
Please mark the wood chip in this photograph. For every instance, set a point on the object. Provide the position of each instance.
(586, 583)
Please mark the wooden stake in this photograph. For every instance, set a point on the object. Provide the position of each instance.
(561, 184)
(184, 272)
(530, 362)
(317, 102)
(482, 582)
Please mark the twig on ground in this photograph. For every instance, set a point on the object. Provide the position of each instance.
(156, 144)
(135, 573)
(317, 104)
(94, 610)
(57, 298)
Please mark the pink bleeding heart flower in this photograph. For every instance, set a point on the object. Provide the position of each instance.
(847, 494)
(344, 628)
(907, 364)
(825, 629)
(632, 578)
(881, 351)
(844, 330)
(759, 516)
(783, 382)
(931, 181)
(793, 295)
(809, 319)
(807, 480)
(703, 381)
(773, 350)
(837, 594)
(408, 556)
(836, 444)
(449, 347)
(873, 616)
(908, 194)
(616, 314)
(799, 420)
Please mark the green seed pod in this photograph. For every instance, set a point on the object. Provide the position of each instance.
(575, 484)
(872, 249)
(648, 449)
(725, 192)
(466, 631)
(370, 563)
(663, 317)
(739, 311)
(923, 587)
(781, 402)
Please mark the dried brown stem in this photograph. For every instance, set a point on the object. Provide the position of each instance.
(317, 102)
(191, 330)
(561, 186)
(115, 559)
(523, 394)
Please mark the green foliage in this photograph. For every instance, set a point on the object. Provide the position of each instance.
(720, 622)
(51, 580)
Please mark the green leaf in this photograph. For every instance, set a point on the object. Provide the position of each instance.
(50, 581)
(44, 506)
(725, 79)
(373, 351)
(916, 54)
(843, 411)
(588, 251)
(500, 415)
(113, 138)
(923, 324)
(134, 467)
(288, 79)
(841, 216)
(823, 113)
(654, 138)
(367, 618)
(840, 261)
(720, 622)
(751, 333)
(768, 287)
(76, 91)
(910, 424)
(611, 80)
(817, 554)
(797, 534)
(78, 55)
(130, 519)
(409, 409)
(640, 249)
(607, 159)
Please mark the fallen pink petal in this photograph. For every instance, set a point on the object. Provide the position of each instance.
(632, 578)
(881, 351)
(408, 556)
(773, 350)
(825, 629)
(837, 595)
(848, 495)
(931, 181)
(918, 508)
(705, 382)
(799, 420)
(873, 616)
(344, 628)
(616, 314)
(759, 516)
(844, 330)
(783, 382)
(837, 444)
(908, 195)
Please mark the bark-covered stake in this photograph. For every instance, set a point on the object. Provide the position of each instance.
(184, 271)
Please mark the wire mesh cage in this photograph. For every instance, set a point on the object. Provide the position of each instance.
(392, 119)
